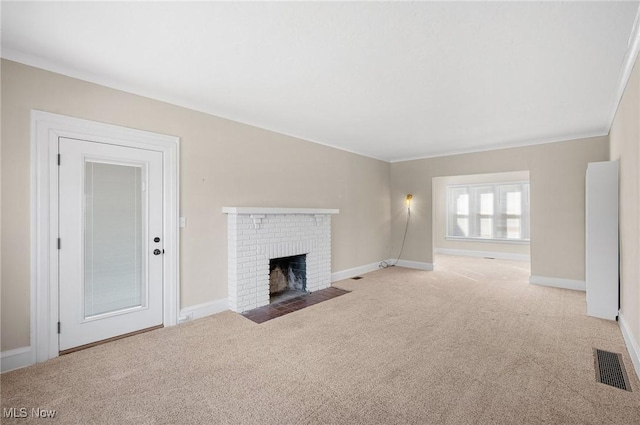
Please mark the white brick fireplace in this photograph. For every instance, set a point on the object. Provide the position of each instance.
(257, 235)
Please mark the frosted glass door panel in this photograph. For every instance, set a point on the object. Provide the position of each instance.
(114, 272)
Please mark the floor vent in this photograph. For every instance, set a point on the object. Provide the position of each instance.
(357, 278)
(610, 369)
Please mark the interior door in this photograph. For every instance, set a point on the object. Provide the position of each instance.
(110, 246)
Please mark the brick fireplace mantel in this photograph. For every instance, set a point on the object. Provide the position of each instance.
(257, 235)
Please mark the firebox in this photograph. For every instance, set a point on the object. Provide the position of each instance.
(287, 277)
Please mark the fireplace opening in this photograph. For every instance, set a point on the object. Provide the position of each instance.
(287, 277)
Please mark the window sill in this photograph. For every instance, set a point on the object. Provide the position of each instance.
(489, 240)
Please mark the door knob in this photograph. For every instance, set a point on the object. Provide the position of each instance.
(157, 252)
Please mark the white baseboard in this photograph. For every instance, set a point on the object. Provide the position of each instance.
(356, 271)
(491, 254)
(203, 310)
(15, 359)
(413, 264)
(632, 345)
(367, 268)
(555, 282)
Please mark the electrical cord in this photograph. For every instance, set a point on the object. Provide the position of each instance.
(384, 264)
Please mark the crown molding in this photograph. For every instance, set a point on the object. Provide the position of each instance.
(495, 147)
(627, 67)
(51, 66)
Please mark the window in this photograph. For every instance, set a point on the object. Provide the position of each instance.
(491, 211)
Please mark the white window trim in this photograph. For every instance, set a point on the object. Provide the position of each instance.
(46, 128)
(479, 238)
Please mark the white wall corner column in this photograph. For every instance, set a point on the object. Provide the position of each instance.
(257, 235)
(602, 240)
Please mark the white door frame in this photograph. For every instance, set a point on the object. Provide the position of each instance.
(46, 128)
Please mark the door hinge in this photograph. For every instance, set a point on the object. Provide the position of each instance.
(59, 327)
(58, 159)
(59, 243)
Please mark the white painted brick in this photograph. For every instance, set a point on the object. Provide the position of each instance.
(248, 307)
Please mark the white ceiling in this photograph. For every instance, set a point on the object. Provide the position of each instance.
(390, 80)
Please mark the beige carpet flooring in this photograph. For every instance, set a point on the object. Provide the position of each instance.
(470, 343)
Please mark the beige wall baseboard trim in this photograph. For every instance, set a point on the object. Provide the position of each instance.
(203, 310)
(15, 359)
(469, 253)
(555, 282)
(632, 344)
(355, 271)
(368, 268)
(418, 265)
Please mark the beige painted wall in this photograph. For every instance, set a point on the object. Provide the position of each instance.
(557, 177)
(625, 146)
(440, 215)
(223, 163)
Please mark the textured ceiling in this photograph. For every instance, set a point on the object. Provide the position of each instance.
(390, 80)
